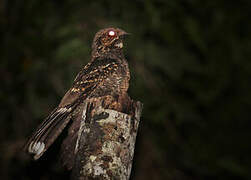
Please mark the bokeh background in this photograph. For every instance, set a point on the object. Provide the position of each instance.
(190, 65)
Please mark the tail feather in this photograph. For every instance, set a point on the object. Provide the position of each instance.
(47, 132)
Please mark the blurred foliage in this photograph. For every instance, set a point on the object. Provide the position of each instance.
(190, 66)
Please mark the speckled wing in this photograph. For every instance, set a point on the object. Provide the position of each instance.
(101, 71)
(88, 79)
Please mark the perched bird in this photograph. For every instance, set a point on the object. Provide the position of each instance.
(107, 73)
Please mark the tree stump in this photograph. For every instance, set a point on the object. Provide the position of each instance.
(106, 140)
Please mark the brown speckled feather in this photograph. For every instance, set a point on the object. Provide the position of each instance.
(106, 74)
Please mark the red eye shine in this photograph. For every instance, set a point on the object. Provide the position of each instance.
(111, 33)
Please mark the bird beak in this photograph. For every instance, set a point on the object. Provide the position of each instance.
(123, 33)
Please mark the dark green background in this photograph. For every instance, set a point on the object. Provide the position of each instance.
(190, 64)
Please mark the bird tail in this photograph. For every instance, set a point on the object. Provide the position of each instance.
(48, 131)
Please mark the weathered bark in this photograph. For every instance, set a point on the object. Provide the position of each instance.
(106, 141)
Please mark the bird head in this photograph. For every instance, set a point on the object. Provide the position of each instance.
(109, 39)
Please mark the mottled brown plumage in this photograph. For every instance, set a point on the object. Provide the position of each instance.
(106, 75)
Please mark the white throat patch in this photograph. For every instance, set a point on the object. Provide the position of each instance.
(119, 45)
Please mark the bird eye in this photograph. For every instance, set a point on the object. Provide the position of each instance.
(111, 33)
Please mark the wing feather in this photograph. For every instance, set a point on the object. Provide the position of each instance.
(87, 80)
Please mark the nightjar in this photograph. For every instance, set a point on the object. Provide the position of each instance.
(107, 73)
